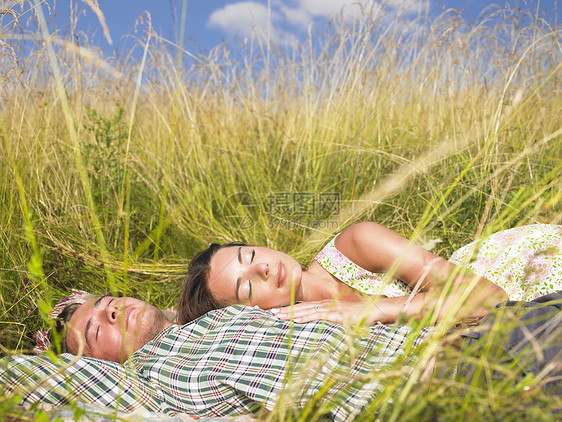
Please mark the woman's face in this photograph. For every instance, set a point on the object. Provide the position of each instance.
(252, 275)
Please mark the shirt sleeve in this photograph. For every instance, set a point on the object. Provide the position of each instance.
(57, 380)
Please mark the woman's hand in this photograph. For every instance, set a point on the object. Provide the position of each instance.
(328, 310)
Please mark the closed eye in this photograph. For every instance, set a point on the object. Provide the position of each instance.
(250, 256)
(107, 306)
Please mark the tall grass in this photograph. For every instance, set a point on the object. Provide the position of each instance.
(113, 173)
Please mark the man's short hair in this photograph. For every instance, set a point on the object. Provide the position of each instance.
(61, 325)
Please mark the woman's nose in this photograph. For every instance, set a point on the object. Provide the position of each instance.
(262, 270)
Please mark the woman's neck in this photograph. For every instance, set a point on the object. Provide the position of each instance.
(319, 284)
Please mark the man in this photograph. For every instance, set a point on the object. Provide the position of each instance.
(109, 328)
(238, 360)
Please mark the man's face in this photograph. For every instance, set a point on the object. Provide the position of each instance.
(113, 328)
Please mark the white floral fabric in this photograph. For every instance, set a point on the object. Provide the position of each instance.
(347, 271)
(525, 261)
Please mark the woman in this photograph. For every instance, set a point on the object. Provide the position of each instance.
(359, 261)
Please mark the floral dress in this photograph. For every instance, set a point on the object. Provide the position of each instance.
(525, 261)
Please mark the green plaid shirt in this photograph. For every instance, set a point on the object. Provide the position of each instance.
(229, 362)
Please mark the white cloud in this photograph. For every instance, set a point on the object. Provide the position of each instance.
(328, 7)
(241, 18)
(409, 6)
(296, 16)
(244, 17)
(305, 10)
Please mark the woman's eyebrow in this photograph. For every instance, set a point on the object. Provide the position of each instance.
(237, 291)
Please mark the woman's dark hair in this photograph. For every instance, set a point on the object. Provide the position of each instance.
(195, 298)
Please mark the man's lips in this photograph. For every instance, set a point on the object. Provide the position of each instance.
(128, 312)
(280, 275)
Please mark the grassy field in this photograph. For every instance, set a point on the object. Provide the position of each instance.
(114, 173)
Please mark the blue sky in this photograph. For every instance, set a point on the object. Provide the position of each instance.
(209, 22)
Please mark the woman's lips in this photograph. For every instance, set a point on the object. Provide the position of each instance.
(280, 275)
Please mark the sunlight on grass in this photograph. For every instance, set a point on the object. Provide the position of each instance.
(115, 172)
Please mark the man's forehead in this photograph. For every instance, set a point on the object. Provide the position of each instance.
(77, 325)
(81, 310)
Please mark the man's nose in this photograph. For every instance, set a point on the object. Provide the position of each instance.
(111, 314)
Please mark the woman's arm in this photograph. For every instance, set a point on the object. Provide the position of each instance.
(439, 286)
